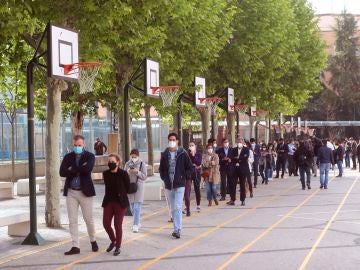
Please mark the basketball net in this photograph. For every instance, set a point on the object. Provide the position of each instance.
(87, 72)
(240, 108)
(167, 93)
(211, 104)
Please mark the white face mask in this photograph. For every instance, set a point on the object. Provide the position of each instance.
(240, 145)
(172, 144)
(215, 145)
(226, 145)
(134, 159)
(210, 150)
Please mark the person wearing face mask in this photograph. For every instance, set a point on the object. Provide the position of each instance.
(115, 202)
(196, 159)
(175, 168)
(262, 164)
(211, 174)
(257, 153)
(281, 151)
(226, 168)
(79, 191)
(213, 142)
(137, 171)
(241, 171)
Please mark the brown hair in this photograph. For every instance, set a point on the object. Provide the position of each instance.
(116, 156)
(79, 137)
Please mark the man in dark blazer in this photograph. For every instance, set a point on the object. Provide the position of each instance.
(79, 190)
(226, 168)
(281, 151)
(257, 153)
(240, 156)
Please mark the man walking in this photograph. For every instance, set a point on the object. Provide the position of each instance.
(325, 159)
(281, 150)
(226, 170)
(99, 147)
(304, 159)
(339, 157)
(291, 160)
(175, 168)
(241, 171)
(79, 191)
(257, 153)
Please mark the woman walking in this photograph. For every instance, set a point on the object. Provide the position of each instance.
(211, 173)
(196, 159)
(270, 161)
(262, 164)
(137, 171)
(115, 201)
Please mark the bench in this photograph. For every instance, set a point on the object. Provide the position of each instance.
(6, 190)
(23, 185)
(97, 177)
(153, 191)
(18, 222)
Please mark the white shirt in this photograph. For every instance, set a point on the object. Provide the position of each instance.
(251, 159)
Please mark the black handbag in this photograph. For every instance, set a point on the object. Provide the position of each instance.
(133, 187)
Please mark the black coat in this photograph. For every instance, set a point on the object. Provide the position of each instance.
(242, 160)
(282, 150)
(183, 169)
(224, 164)
(121, 186)
(304, 157)
(257, 153)
(86, 165)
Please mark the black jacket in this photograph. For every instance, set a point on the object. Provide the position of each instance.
(224, 164)
(304, 157)
(121, 186)
(86, 165)
(183, 169)
(257, 153)
(282, 150)
(339, 153)
(242, 160)
(325, 155)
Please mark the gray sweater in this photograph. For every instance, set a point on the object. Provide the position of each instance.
(140, 177)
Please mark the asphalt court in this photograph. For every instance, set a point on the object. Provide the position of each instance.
(282, 227)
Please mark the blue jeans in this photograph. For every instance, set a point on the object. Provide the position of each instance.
(269, 172)
(324, 173)
(175, 197)
(340, 167)
(347, 160)
(136, 212)
(211, 191)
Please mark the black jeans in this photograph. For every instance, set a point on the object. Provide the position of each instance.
(255, 171)
(263, 173)
(225, 182)
(280, 164)
(354, 161)
(242, 178)
(196, 178)
(303, 171)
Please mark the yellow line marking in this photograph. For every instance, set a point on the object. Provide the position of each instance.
(151, 232)
(326, 228)
(22, 255)
(192, 240)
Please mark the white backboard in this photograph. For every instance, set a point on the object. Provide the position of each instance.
(152, 77)
(230, 100)
(200, 91)
(63, 49)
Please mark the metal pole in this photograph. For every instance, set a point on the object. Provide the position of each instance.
(213, 126)
(33, 237)
(126, 123)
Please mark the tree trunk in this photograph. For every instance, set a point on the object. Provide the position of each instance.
(149, 137)
(52, 209)
(230, 119)
(77, 123)
(13, 149)
(205, 125)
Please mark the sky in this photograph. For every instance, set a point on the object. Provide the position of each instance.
(335, 6)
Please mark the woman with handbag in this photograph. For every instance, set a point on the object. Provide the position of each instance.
(115, 201)
(211, 173)
(137, 171)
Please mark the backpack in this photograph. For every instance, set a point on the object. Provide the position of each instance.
(133, 187)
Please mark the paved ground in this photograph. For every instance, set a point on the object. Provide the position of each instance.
(282, 227)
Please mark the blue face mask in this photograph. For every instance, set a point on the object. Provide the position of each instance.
(78, 149)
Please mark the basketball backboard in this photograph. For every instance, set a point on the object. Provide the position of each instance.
(152, 77)
(230, 100)
(253, 107)
(63, 49)
(200, 92)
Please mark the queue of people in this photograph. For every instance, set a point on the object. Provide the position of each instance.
(221, 169)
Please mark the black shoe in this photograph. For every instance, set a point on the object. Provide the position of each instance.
(243, 203)
(296, 175)
(230, 203)
(303, 188)
(321, 186)
(111, 247)
(276, 176)
(282, 177)
(72, 251)
(325, 187)
(94, 246)
(116, 251)
(222, 199)
(308, 186)
(251, 195)
(188, 214)
(170, 220)
(176, 235)
(263, 181)
(254, 186)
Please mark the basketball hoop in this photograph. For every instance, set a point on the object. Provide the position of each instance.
(261, 113)
(87, 73)
(167, 93)
(211, 103)
(311, 131)
(240, 108)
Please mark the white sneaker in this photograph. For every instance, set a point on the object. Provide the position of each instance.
(135, 228)
(198, 208)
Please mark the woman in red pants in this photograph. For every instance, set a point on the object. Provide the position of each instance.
(115, 201)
